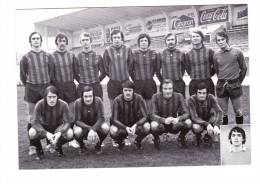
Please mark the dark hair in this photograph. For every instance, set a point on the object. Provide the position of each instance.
(201, 85)
(170, 34)
(167, 81)
(115, 32)
(239, 130)
(222, 34)
(128, 84)
(86, 89)
(61, 36)
(86, 34)
(199, 33)
(33, 33)
(51, 89)
(143, 35)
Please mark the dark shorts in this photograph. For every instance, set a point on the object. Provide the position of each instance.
(178, 86)
(97, 89)
(146, 88)
(34, 92)
(230, 88)
(67, 91)
(194, 83)
(114, 88)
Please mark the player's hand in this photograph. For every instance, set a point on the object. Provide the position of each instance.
(210, 129)
(133, 128)
(129, 130)
(49, 136)
(216, 130)
(168, 120)
(93, 137)
(56, 137)
(175, 121)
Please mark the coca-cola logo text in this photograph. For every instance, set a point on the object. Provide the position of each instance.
(213, 15)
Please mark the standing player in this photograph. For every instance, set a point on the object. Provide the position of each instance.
(169, 114)
(129, 117)
(205, 114)
(65, 73)
(144, 68)
(172, 63)
(199, 63)
(50, 120)
(118, 64)
(231, 70)
(89, 67)
(89, 120)
(36, 73)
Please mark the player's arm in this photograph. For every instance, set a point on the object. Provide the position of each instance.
(155, 111)
(183, 110)
(182, 63)
(217, 114)
(106, 62)
(102, 74)
(23, 69)
(130, 63)
(215, 64)
(78, 117)
(115, 115)
(242, 65)
(158, 67)
(65, 118)
(75, 68)
(211, 61)
(143, 111)
(193, 113)
(51, 69)
(100, 114)
(187, 63)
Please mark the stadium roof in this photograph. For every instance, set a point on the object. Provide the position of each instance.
(93, 17)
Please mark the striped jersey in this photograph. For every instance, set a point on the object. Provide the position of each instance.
(230, 64)
(205, 112)
(118, 62)
(36, 68)
(172, 64)
(127, 113)
(90, 67)
(199, 63)
(47, 117)
(64, 66)
(145, 64)
(163, 108)
(91, 115)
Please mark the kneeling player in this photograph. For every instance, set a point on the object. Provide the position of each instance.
(129, 117)
(205, 114)
(50, 120)
(169, 114)
(89, 120)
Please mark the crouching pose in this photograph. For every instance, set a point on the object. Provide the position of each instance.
(50, 120)
(89, 120)
(205, 114)
(129, 117)
(169, 114)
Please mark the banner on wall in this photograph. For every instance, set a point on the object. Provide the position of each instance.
(133, 28)
(214, 15)
(180, 21)
(97, 35)
(240, 15)
(156, 25)
(109, 28)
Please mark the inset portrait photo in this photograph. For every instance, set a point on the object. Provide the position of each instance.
(235, 146)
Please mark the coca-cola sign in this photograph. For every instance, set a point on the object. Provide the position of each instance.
(213, 15)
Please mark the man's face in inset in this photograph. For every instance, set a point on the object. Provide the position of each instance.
(117, 40)
(236, 138)
(128, 93)
(196, 39)
(88, 97)
(62, 44)
(171, 42)
(144, 44)
(201, 94)
(85, 42)
(222, 42)
(167, 90)
(52, 99)
(36, 40)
